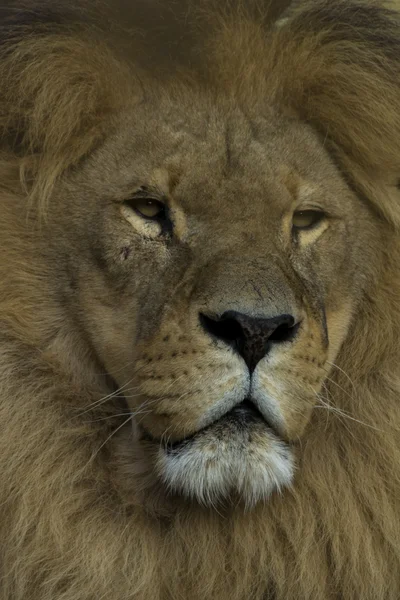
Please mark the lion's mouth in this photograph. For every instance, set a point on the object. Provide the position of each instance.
(242, 416)
(239, 453)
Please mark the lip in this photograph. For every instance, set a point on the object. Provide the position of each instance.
(242, 415)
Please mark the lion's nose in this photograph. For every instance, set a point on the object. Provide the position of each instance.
(251, 336)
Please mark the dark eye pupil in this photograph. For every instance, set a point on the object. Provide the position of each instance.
(147, 207)
(307, 219)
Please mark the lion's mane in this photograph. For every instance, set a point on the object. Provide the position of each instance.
(64, 532)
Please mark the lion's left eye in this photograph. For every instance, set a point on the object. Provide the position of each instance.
(148, 208)
(307, 219)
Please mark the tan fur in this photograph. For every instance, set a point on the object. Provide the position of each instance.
(219, 130)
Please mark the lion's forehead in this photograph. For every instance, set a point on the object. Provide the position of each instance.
(214, 161)
(228, 142)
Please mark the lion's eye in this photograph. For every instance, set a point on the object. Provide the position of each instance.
(307, 219)
(149, 208)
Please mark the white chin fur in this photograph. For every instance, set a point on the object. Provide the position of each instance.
(227, 459)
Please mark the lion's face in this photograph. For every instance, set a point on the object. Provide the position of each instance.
(214, 272)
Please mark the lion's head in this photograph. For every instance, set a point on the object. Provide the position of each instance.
(198, 303)
(220, 354)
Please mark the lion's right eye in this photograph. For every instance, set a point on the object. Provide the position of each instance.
(307, 219)
(148, 208)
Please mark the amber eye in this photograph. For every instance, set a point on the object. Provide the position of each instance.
(148, 208)
(307, 219)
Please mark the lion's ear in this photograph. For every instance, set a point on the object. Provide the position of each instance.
(337, 65)
(58, 85)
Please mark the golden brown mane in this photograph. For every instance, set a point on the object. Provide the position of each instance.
(344, 56)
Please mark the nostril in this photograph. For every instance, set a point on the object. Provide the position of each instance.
(228, 330)
(285, 332)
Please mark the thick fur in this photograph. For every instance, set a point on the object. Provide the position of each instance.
(68, 530)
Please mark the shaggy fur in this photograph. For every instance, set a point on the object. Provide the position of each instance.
(68, 530)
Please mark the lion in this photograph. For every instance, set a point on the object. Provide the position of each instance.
(199, 301)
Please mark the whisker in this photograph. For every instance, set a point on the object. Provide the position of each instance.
(330, 410)
(105, 398)
(123, 389)
(342, 371)
(111, 436)
(114, 393)
(109, 417)
(343, 414)
(348, 394)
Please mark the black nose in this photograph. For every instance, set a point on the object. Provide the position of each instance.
(252, 337)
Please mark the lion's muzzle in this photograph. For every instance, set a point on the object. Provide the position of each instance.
(239, 454)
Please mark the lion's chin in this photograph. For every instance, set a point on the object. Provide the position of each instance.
(239, 455)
